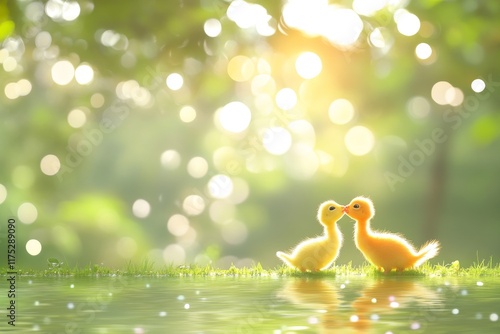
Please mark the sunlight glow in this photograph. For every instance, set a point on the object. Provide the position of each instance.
(341, 26)
(234, 117)
(33, 247)
(359, 140)
(341, 111)
(27, 213)
(423, 51)
(277, 140)
(212, 27)
(345, 26)
(308, 65)
(478, 85)
(50, 164)
(368, 7)
(408, 24)
(141, 208)
(286, 99)
(62, 72)
(248, 15)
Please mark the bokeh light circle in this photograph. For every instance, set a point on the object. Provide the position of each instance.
(234, 117)
(141, 208)
(50, 164)
(308, 65)
(341, 111)
(178, 225)
(359, 140)
(277, 140)
(33, 247)
(170, 159)
(212, 27)
(193, 205)
(197, 167)
(174, 81)
(62, 72)
(408, 24)
(220, 186)
(478, 85)
(286, 98)
(27, 213)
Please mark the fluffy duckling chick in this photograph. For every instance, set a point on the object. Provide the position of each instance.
(318, 253)
(384, 250)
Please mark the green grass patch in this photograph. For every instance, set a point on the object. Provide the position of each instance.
(148, 269)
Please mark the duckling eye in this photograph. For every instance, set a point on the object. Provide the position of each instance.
(356, 206)
(331, 208)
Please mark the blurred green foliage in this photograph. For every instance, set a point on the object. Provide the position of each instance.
(84, 213)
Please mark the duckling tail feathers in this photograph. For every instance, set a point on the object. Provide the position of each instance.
(428, 251)
(286, 258)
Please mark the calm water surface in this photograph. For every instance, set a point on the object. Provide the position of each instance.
(256, 305)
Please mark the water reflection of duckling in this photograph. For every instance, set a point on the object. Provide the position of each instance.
(384, 296)
(318, 253)
(315, 294)
(385, 250)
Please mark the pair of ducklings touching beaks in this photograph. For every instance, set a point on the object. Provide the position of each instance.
(386, 251)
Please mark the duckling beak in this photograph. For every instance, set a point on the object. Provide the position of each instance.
(346, 209)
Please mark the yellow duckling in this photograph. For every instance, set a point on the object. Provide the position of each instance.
(384, 250)
(318, 253)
